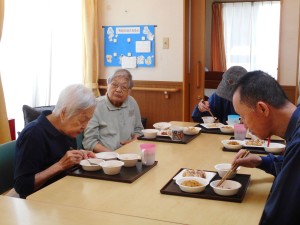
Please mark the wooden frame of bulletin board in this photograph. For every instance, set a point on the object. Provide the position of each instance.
(129, 46)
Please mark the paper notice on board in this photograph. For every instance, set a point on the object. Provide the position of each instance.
(142, 46)
(128, 62)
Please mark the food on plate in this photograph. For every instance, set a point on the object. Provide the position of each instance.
(233, 143)
(256, 142)
(194, 173)
(165, 132)
(191, 183)
(212, 125)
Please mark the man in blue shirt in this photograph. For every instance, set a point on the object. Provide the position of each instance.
(265, 110)
(220, 102)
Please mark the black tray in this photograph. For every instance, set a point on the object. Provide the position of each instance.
(171, 188)
(212, 130)
(186, 139)
(256, 150)
(127, 174)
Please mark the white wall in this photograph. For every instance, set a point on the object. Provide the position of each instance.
(289, 37)
(167, 15)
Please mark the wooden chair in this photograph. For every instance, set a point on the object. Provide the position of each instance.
(7, 155)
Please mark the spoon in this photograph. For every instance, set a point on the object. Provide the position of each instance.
(91, 163)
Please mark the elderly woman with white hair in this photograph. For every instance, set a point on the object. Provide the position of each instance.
(46, 148)
(117, 118)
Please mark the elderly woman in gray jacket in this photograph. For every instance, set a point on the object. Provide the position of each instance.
(117, 119)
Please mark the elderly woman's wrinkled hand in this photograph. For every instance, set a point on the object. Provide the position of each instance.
(250, 161)
(203, 106)
(71, 158)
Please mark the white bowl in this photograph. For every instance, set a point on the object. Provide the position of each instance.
(227, 188)
(274, 147)
(112, 167)
(227, 129)
(86, 165)
(129, 159)
(162, 126)
(232, 144)
(223, 168)
(208, 119)
(191, 130)
(107, 155)
(189, 189)
(150, 133)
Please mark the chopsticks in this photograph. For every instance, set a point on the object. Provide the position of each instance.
(269, 140)
(233, 168)
(202, 101)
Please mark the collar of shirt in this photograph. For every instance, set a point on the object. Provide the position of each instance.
(112, 107)
(293, 124)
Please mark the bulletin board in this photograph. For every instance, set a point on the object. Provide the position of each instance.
(129, 46)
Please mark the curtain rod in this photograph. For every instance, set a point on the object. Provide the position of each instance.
(239, 1)
(127, 25)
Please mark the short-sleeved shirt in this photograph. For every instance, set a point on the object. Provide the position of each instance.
(220, 108)
(283, 204)
(110, 125)
(38, 147)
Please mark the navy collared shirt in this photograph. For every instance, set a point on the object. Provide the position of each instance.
(283, 204)
(38, 147)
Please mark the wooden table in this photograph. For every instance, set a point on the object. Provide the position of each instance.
(20, 211)
(142, 198)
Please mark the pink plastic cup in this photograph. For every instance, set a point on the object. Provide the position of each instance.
(239, 132)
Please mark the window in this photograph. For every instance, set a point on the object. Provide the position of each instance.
(251, 35)
(40, 52)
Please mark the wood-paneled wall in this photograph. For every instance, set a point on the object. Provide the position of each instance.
(159, 101)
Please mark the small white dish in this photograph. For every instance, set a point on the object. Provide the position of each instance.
(162, 126)
(129, 159)
(212, 125)
(181, 182)
(95, 166)
(223, 168)
(208, 119)
(107, 155)
(150, 133)
(112, 167)
(233, 144)
(227, 129)
(274, 147)
(208, 175)
(227, 188)
(191, 130)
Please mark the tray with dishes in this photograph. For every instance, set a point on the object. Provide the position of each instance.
(216, 128)
(126, 175)
(257, 146)
(172, 187)
(164, 136)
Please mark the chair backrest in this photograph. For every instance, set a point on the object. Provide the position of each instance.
(7, 155)
(32, 113)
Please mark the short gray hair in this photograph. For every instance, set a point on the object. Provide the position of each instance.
(73, 99)
(123, 73)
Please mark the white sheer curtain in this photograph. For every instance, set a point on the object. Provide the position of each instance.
(251, 33)
(40, 52)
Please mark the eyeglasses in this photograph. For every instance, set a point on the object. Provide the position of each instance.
(116, 85)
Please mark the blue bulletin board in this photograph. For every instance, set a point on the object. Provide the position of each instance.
(129, 46)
